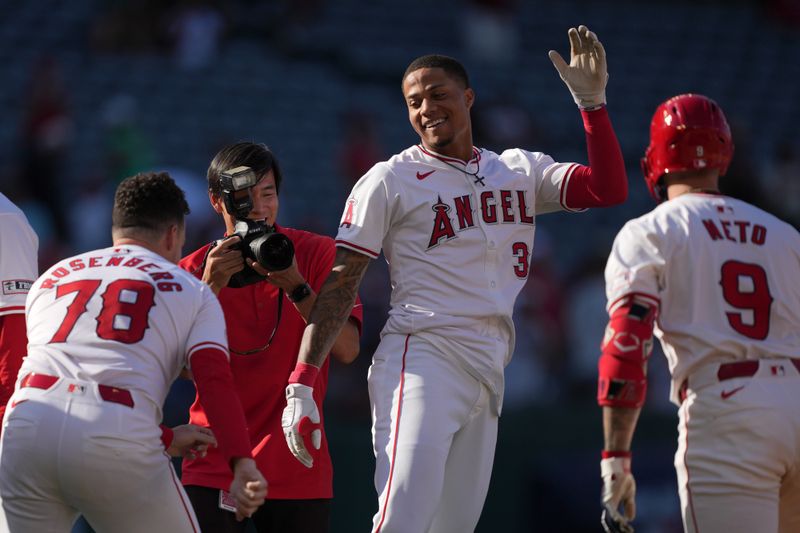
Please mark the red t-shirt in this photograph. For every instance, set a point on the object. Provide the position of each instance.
(260, 378)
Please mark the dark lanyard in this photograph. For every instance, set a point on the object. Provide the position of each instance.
(202, 267)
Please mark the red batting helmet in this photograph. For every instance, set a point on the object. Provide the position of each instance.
(688, 132)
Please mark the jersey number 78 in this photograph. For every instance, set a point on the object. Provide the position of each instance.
(123, 316)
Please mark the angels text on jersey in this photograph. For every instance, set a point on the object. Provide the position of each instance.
(493, 206)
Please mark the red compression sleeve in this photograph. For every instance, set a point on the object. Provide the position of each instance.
(214, 381)
(166, 436)
(13, 345)
(604, 182)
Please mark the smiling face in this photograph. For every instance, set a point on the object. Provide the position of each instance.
(438, 109)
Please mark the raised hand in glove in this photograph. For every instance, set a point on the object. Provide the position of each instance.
(586, 74)
(619, 488)
(301, 418)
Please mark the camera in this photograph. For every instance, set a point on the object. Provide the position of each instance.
(259, 241)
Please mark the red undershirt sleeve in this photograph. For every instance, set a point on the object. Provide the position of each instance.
(604, 182)
(166, 436)
(214, 381)
(13, 346)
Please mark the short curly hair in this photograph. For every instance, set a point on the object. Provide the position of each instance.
(149, 201)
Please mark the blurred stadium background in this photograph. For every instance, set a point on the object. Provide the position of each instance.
(94, 91)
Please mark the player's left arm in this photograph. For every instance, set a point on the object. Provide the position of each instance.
(604, 182)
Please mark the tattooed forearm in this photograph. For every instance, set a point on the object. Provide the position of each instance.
(332, 308)
(619, 424)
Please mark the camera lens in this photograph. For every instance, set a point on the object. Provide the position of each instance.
(273, 251)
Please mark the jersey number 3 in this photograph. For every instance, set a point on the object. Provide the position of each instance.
(123, 316)
(745, 287)
(520, 251)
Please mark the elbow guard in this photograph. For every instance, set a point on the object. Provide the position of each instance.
(626, 347)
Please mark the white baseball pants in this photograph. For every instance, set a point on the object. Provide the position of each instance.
(434, 437)
(738, 458)
(65, 451)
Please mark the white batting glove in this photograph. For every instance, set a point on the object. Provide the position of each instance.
(586, 74)
(301, 418)
(619, 488)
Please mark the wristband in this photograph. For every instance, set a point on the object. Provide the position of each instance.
(608, 454)
(166, 436)
(304, 374)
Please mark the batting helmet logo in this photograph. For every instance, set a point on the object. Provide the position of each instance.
(687, 132)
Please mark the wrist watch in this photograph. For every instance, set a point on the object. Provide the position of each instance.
(299, 293)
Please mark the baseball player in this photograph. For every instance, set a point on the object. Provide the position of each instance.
(456, 224)
(18, 268)
(109, 331)
(716, 278)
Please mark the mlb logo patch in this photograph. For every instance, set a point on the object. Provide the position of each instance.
(777, 370)
(16, 286)
(75, 388)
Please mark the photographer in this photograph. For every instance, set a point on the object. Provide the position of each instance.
(265, 312)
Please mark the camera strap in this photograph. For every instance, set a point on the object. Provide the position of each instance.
(202, 266)
(278, 313)
(271, 336)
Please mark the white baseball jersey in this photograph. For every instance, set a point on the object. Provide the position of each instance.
(18, 257)
(724, 274)
(458, 239)
(122, 316)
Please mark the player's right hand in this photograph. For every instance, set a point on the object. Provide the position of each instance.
(222, 262)
(301, 418)
(191, 441)
(248, 488)
(586, 74)
(619, 488)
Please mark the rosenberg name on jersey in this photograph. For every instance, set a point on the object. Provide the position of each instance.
(60, 272)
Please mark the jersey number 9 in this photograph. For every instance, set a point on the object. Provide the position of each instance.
(745, 287)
